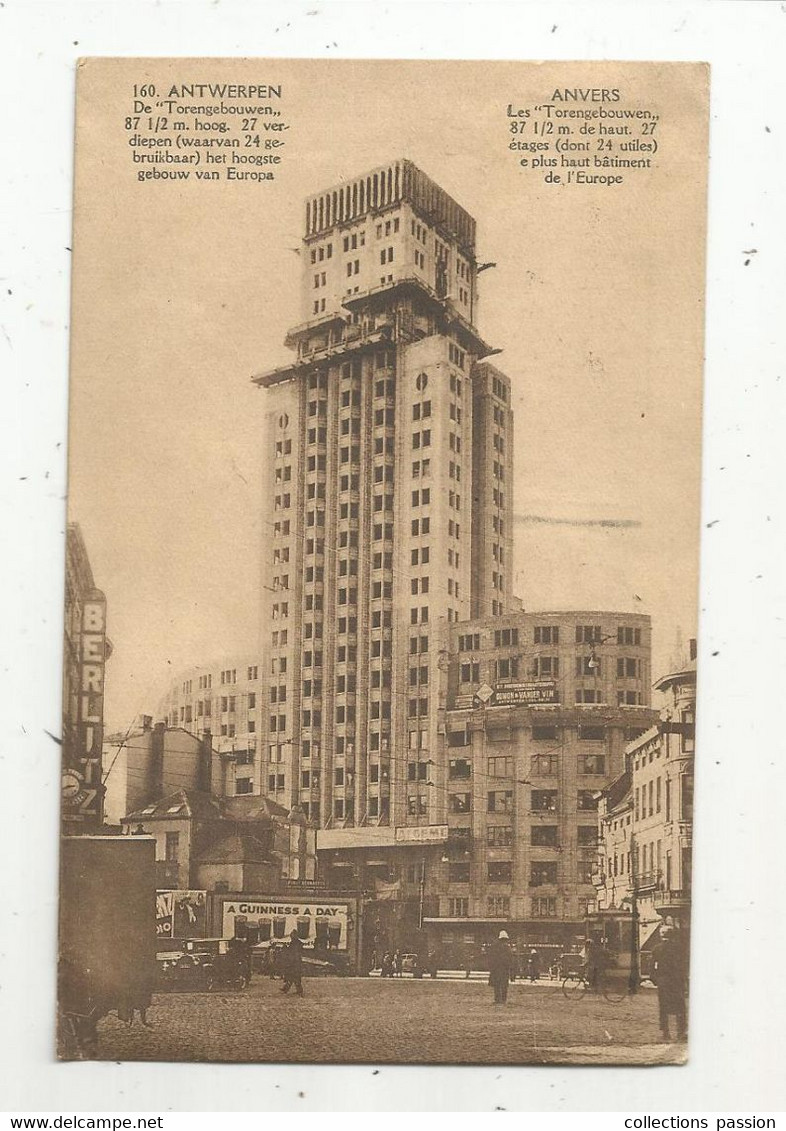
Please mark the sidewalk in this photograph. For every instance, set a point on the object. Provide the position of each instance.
(483, 976)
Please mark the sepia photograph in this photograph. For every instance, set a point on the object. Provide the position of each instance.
(382, 573)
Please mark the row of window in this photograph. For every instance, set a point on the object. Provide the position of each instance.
(501, 872)
(204, 707)
(549, 634)
(548, 666)
(541, 907)
(319, 254)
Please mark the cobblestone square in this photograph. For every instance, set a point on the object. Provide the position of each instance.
(406, 1021)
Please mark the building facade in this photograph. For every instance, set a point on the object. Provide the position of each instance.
(224, 700)
(241, 844)
(389, 468)
(646, 818)
(537, 711)
(447, 744)
(152, 761)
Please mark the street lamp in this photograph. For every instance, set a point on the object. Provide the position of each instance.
(635, 970)
(422, 893)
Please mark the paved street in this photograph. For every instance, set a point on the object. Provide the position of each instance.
(361, 1020)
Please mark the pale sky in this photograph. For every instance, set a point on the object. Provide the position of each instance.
(181, 293)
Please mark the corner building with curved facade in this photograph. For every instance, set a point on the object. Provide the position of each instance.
(388, 472)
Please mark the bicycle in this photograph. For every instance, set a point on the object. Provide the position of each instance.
(614, 990)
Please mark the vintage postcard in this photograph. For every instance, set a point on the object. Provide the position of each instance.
(382, 561)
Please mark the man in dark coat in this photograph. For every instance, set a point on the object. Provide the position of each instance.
(670, 971)
(500, 960)
(293, 965)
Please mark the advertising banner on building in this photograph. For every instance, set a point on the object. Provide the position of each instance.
(544, 691)
(421, 834)
(181, 914)
(82, 790)
(319, 925)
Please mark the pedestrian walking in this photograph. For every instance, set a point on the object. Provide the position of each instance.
(533, 965)
(500, 967)
(398, 964)
(386, 970)
(292, 956)
(670, 970)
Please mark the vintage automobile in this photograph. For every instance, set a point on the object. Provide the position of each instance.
(231, 959)
(205, 964)
(183, 971)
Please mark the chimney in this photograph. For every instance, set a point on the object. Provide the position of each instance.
(205, 766)
(157, 760)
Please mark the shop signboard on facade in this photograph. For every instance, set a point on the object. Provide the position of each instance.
(319, 925)
(509, 694)
(82, 791)
(181, 914)
(421, 834)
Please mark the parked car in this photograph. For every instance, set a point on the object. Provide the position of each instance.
(205, 964)
(180, 970)
(231, 960)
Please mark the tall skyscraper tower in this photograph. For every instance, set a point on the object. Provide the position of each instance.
(388, 498)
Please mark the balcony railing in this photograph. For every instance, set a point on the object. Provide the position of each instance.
(666, 899)
(648, 881)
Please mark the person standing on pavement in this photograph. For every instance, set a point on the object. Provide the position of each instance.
(670, 971)
(293, 965)
(533, 965)
(500, 967)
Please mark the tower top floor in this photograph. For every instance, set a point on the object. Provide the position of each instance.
(384, 188)
(375, 233)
